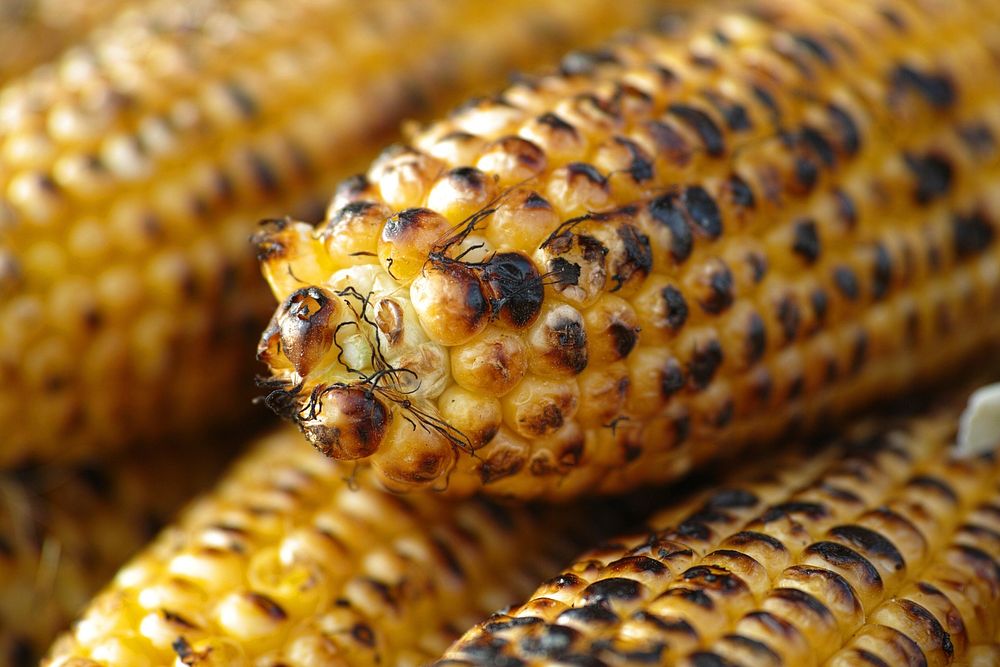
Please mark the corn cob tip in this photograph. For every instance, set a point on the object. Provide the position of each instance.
(980, 422)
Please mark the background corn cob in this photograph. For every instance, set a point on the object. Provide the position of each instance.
(677, 245)
(65, 531)
(33, 31)
(882, 550)
(133, 169)
(286, 564)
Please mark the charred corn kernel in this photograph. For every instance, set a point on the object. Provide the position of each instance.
(64, 531)
(676, 246)
(298, 560)
(881, 549)
(133, 168)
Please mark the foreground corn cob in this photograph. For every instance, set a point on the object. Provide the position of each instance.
(65, 531)
(882, 550)
(677, 245)
(286, 563)
(32, 31)
(133, 169)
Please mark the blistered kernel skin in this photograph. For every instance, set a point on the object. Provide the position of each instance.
(714, 236)
(843, 555)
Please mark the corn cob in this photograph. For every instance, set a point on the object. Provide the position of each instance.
(297, 560)
(34, 31)
(882, 550)
(64, 532)
(676, 246)
(133, 169)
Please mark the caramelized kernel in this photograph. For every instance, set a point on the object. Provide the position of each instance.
(407, 240)
(349, 422)
(450, 301)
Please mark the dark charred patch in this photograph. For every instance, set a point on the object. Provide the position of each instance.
(713, 578)
(789, 316)
(971, 234)
(637, 564)
(934, 175)
(693, 529)
(567, 342)
(733, 113)
(564, 580)
(693, 595)
(670, 143)
(552, 641)
(837, 589)
(500, 465)
(812, 511)
(871, 543)
(554, 122)
(933, 629)
(935, 484)
(740, 193)
(805, 240)
(672, 625)
(847, 211)
(705, 360)
(671, 378)
(844, 557)
(820, 302)
(508, 623)
(264, 176)
(708, 659)
(720, 290)
(806, 173)
(846, 282)
(623, 338)
(637, 259)
(703, 211)
(804, 600)
(752, 647)
(732, 499)
(585, 62)
(514, 288)
(746, 538)
(978, 138)
(641, 167)
(765, 97)
(756, 338)
(814, 140)
(563, 271)
(269, 607)
(667, 211)
(775, 625)
(815, 48)
(702, 123)
(848, 134)
(587, 171)
(881, 272)
(608, 590)
(938, 90)
(676, 307)
(589, 614)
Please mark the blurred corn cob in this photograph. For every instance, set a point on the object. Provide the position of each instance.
(33, 31)
(675, 246)
(64, 531)
(133, 169)
(287, 564)
(882, 550)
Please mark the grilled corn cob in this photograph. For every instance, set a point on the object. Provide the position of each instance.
(289, 563)
(33, 31)
(677, 245)
(65, 531)
(133, 169)
(883, 550)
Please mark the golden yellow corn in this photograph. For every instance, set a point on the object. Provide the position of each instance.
(135, 167)
(295, 560)
(65, 531)
(675, 246)
(33, 31)
(882, 550)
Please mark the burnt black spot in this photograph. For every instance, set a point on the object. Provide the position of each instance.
(552, 641)
(818, 144)
(840, 556)
(803, 599)
(587, 171)
(815, 48)
(702, 123)
(933, 627)
(705, 360)
(553, 121)
(805, 240)
(591, 613)
(731, 499)
(244, 103)
(871, 543)
(938, 90)
(761, 385)
(641, 168)
(733, 113)
(707, 659)
(774, 624)
(363, 634)
(740, 193)
(670, 144)
(671, 378)
(637, 564)
(745, 538)
(563, 271)
(936, 485)
(613, 588)
(269, 607)
(676, 306)
(263, 174)
(813, 511)
(570, 340)
(848, 134)
(666, 625)
(720, 290)
(752, 647)
(565, 580)
(703, 210)
(978, 138)
(847, 282)
(637, 259)
(693, 529)
(585, 62)
(758, 265)
(847, 211)
(667, 211)
(789, 316)
(489, 652)
(692, 595)
(820, 302)
(756, 338)
(881, 272)
(514, 288)
(934, 176)
(806, 173)
(767, 99)
(623, 338)
(971, 234)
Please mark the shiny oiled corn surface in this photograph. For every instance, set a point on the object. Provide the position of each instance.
(881, 550)
(33, 31)
(65, 531)
(135, 167)
(677, 245)
(297, 560)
